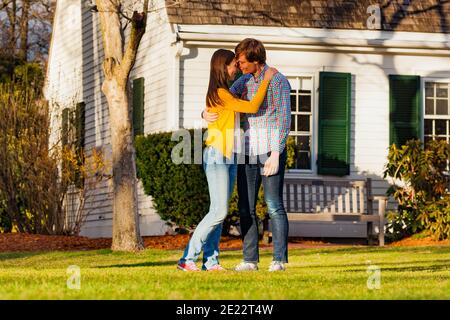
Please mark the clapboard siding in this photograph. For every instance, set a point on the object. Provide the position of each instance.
(63, 83)
(149, 64)
(82, 61)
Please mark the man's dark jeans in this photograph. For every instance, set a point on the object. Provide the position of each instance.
(248, 183)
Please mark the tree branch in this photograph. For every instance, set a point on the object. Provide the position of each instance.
(4, 4)
(111, 34)
(138, 25)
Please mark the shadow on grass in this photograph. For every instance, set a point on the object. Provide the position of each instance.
(141, 264)
(435, 268)
(360, 250)
(445, 261)
(19, 255)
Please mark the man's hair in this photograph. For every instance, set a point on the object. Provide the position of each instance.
(252, 49)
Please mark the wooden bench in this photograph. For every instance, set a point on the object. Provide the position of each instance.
(335, 200)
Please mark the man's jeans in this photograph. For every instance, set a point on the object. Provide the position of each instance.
(273, 194)
(221, 175)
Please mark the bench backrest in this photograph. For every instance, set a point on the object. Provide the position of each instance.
(327, 196)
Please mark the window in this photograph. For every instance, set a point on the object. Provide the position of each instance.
(72, 134)
(437, 111)
(302, 119)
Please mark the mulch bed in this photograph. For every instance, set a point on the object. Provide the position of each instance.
(427, 241)
(10, 242)
(31, 242)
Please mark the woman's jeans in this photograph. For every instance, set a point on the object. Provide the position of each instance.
(251, 177)
(221, 175)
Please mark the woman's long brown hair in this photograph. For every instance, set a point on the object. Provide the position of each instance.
(218, 76)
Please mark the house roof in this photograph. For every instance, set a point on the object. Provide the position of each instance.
(397, 15)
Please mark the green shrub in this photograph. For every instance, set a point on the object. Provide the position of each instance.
(423, 201)
(179, 191)
(435, 216)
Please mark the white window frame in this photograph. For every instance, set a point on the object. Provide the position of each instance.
(313, 124)
(422, 90)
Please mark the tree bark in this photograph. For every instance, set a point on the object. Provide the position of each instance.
(126, 235)
(24, 20)
(12, 16)
(117, 66)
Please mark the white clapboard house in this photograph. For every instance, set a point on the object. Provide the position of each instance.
(363, 73)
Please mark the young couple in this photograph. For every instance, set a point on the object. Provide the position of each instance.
(262, 95)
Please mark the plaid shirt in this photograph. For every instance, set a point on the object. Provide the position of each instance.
(268, 129)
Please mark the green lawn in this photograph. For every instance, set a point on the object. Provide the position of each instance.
(325, 273)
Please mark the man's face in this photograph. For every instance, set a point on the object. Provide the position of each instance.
(246, 66)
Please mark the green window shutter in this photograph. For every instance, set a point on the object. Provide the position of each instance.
(65, 122)
(79, 141)
(404, 108)
(138, 106)
(334, 123)
(79, 125)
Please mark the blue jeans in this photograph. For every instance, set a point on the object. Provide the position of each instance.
(273, 194)
(221, 175)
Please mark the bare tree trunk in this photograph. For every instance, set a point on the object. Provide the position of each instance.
(117, 66)
(126, 234)
(24, 20)
(12, 16)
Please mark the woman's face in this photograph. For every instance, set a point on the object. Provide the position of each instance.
(232, 69)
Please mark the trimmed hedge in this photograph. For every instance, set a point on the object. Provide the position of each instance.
(179, 191)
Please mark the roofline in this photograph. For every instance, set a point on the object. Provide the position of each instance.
(366, 41)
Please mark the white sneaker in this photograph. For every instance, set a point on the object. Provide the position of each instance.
(246, 266)
(277, 266)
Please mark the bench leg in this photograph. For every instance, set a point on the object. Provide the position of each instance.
(381, 211)
(370, 233)
(381, 233)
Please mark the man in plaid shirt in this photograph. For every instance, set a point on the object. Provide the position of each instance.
(266, 133)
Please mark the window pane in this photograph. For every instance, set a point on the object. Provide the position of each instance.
(441, 107)
(304, 143)
(427, 139)
(429, 106)
(440, 127)
(293, 123)
(293, 101)
(305, 103)
(428, 126)
(303, 123)
(304, 161)
(441, 90)
(306, 83)
(294, 82)
(429, 89)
